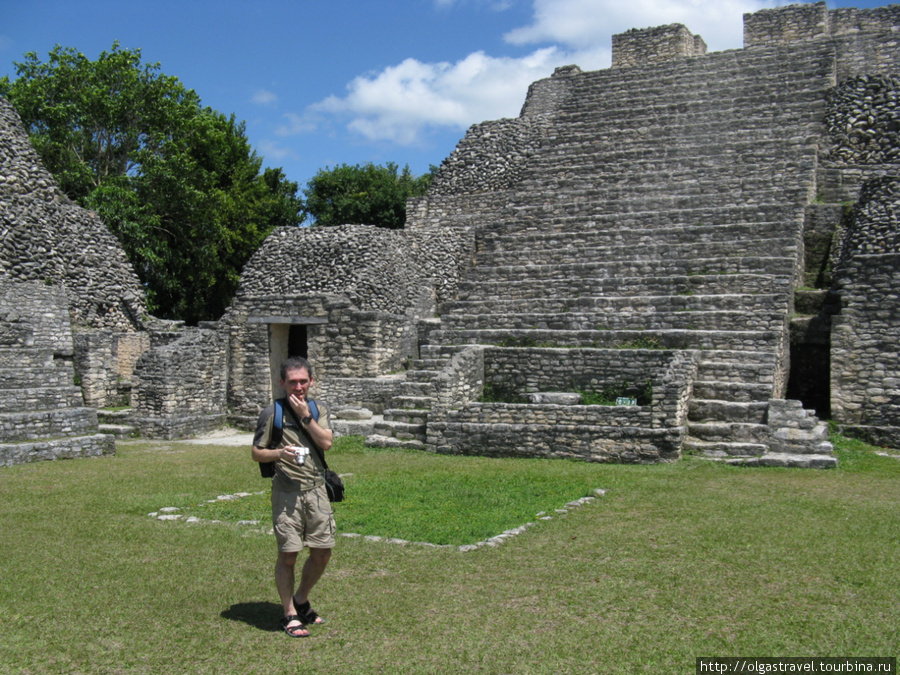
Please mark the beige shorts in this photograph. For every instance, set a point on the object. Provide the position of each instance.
(302, 519)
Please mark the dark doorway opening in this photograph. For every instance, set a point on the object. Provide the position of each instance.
(297, 341)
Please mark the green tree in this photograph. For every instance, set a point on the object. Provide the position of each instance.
(363, 194)
(178, 183)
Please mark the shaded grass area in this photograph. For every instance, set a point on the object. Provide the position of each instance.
(676, 561)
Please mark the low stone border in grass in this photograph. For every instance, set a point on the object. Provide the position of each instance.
(171, 513)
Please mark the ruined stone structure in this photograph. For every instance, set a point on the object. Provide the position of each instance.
(677, 230)
(709, 240)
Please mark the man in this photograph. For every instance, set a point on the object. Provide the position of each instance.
(301, 513)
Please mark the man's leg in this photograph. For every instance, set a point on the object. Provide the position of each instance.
(313, 569)
(284, 582)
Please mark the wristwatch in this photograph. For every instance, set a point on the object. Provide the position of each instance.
(306, 420)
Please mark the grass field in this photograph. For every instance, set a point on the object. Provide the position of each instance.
(674, 562)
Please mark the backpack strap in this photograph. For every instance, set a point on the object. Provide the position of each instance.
(267, 469)
(277, 423)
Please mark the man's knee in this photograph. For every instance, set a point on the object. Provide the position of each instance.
(320, 555)
(287, 559)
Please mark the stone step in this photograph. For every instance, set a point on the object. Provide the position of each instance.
(747, 372)
(716, 284)
(119, 416)
(92, 445)
(413, 402)
(723, 449)
(781, 217)
(650, 249)
(417, 417)
(755, 341)
(715, 75)
(598, 234)
(429, 364)
(380, 441)
(426, 376)
(118, 430)
(708, 187)
(725, 356)
(552, 300)
(25, 357)
(703, 410)
(417, 389)
(678, 154)
(724, 320)
(33, 377)
(31, 426)
(40, 398)
(611, 269)
(729, 432)
(401, 430)
(785, 460)
(737, 392)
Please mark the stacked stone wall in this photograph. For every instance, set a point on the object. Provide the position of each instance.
(863, 120)
(359, 290)
(46, 238)
(640, 47)
(786, 24)
(181, 385)
(865, 360)
(30, 316)
(852, 30)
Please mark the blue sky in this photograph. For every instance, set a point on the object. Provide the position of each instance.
(327, 82)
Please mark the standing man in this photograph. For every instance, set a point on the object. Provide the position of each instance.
(301, 513)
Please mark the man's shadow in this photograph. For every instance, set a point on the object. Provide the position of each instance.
(262, 615)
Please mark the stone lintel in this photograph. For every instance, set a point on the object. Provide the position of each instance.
(293, 320)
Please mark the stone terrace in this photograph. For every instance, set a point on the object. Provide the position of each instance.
(661, 206)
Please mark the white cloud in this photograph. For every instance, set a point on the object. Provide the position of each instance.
(400, 103)
(297, 124)
(273, 151)
(582, 24)
(264, 97)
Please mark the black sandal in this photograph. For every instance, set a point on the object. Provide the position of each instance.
(307, 614)
(294, 631)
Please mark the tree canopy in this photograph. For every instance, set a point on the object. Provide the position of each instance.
(178, 183)
(363, 194)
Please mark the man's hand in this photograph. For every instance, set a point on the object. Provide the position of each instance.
(300, 406)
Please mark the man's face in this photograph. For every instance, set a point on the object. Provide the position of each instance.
(297, 382)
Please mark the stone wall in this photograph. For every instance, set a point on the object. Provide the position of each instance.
(865, 360)
(863, 120)
(651, 432)
(46, 238)
(641, 47)
(358, 290)
(42, 412)
(181, 388)
(800, 22)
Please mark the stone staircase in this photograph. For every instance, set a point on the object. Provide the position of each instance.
(42, 414)
(405, 423)
(662, 206)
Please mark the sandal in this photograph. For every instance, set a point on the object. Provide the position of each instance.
(307, 614)
(294, 631)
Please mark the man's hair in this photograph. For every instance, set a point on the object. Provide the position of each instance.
(295, 363)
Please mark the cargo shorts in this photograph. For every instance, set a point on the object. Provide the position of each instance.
(302, 519)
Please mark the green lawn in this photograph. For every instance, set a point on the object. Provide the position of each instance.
(673, 562)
